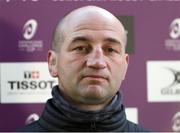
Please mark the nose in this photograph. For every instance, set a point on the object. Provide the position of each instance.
(96, 59)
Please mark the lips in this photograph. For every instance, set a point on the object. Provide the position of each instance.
(95, 76)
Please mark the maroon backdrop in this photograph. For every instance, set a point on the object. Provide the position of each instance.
(152, 83)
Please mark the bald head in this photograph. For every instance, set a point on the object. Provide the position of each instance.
(88, 15)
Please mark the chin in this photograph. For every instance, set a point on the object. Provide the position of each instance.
(94, 92)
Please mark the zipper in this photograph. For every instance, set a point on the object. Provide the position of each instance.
(93, 126)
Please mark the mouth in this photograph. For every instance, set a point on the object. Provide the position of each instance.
(96, 77)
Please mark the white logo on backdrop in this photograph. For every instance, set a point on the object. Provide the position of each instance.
(163, 81)
(27, 82)
(176, 77)
(175, 28)
(176, 122)
(173, 43)
(31, 118)
(30, 28)
(29, 31)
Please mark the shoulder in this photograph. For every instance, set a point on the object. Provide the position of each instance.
(132, 127)
(33, 127)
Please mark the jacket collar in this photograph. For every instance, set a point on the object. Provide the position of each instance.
(59, 115)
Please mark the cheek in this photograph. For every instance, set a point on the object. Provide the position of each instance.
(69, 67)
(62, 68)
(65, 75)
(119, 70)
(118, 74)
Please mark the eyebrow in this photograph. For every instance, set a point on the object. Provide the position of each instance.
(86, 39)
(113, 40)
(80, 38)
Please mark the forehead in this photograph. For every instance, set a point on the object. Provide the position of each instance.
(98, 20)
(93, 22)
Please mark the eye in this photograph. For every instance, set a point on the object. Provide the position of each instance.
(111, 50)
(81, 49)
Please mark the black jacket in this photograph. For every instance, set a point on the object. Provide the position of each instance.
(61, 116)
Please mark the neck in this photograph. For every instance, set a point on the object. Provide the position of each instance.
(91, 107)
(87, 106)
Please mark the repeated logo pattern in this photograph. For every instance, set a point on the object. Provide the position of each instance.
(175, 29)
(30, 28)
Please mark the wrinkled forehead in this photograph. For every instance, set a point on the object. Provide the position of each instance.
(92, 17)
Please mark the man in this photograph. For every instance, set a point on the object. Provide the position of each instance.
(88, 58)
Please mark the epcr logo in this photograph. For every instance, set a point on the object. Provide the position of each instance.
(30, 28)
(175, 28)
(176, 122)
(31, 118)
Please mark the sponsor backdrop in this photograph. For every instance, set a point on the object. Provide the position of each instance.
(151, 91)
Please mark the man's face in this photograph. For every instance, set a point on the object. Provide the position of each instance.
(91, 61)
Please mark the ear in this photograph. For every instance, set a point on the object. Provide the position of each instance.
(127, 58)
(126, 63)
(52, 63)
